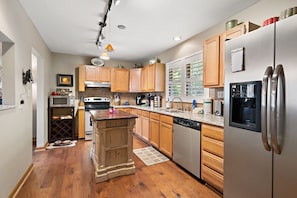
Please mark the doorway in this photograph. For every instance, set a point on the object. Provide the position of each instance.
(38, 104)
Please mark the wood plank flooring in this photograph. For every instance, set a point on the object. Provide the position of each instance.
(69, 173)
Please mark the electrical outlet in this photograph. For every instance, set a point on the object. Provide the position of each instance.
(220, 94)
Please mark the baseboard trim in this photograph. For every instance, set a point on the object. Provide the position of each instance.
(42, 148)
(21, 182)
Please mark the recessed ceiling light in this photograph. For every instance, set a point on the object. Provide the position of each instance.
(177, 38)
(121, 27)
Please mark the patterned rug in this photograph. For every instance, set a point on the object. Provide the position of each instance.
(150, 156)
(62, 144)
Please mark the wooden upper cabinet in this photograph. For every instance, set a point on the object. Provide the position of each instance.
(153, 78)
(214, 54)
(211, 61)
(240, 30)
(97, 74)
(135, 80)
(104, 74)
(92, 73)
(144, 80)
(119, 80)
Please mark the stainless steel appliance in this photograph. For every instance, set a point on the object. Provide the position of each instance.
(218, 108)
(186, 144)
(61, 101)
(263, 163)
(93, 103)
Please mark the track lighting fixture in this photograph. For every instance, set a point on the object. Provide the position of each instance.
(116, 2)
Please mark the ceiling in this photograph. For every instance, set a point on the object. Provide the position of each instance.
(72, 26)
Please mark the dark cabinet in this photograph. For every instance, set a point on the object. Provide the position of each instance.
(61, 124)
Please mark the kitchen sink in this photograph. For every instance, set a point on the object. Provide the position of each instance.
(172, 110)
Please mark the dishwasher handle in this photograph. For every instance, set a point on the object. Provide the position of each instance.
(187, 123)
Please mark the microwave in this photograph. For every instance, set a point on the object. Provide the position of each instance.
(61, 101)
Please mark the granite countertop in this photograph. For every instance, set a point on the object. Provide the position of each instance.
(100, 115)
(208, 119)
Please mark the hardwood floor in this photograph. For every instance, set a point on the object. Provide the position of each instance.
(69, 172)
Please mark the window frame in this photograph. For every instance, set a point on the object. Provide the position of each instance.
(182, 63)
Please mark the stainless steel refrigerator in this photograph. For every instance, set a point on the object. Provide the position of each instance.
(260, 108)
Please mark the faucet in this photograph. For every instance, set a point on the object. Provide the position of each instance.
(180, 100)
(172, 100)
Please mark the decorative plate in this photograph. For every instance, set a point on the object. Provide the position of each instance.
(97, 62)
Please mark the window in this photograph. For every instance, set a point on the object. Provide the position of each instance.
(184, 78)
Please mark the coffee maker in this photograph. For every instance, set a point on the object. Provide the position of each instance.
(139, 100)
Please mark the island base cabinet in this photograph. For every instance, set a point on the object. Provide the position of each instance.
(112, 152)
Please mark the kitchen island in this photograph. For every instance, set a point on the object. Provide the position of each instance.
(111, 151)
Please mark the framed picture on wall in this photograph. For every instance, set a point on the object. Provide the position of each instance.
(64, 80)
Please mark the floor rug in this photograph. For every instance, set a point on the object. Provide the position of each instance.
(55, 145)
(150, 156)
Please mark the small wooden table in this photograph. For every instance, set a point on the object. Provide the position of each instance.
(112, 148)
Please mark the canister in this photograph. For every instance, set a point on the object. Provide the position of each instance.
(207, 106)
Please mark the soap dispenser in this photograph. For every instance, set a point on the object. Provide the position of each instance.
(168, 104)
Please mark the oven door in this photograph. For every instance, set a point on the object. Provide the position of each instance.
(88, 126)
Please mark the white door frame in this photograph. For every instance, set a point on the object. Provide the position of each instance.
(38, 101)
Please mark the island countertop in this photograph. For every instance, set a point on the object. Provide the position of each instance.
(106, 115)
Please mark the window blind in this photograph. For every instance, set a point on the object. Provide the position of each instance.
(184, 78)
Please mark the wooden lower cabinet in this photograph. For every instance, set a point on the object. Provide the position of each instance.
(81, 123)
(145, 125)
(166, 135)
(154, 129)
(128, 110)
(212, 156)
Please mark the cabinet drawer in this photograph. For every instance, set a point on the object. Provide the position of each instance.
(166, 119)
(212, 177)
(155, 116)
(213, 146)
(214, 162)
(213, 132)
(145, 113)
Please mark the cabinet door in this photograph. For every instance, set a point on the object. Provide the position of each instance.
(145, 125)
(166, 137)
(81, 123)
(138, 122)
(119, 80)
(81, 77)
(135, 80)
(222, 59)
(92, 73)
(144, 78)
(104, 74)
(151, 77)
(211, 61)
(155, 129)
(154, 132)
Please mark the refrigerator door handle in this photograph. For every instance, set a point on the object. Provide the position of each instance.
(267, 75)
(276, 115)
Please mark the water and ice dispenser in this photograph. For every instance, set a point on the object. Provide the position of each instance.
(245, 105)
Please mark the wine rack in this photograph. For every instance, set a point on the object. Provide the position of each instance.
(61, 123)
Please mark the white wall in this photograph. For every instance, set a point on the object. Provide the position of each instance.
(16, 124)
(66, 64)
(257, 13)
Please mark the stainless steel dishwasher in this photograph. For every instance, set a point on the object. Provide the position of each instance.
(186, 144)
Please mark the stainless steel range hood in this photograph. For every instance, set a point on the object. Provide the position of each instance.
(97, 84)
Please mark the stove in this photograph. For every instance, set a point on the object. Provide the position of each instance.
(93, 103)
